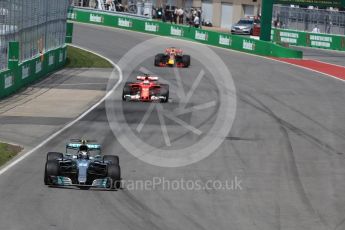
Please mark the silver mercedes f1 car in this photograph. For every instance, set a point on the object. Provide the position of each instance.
(85, 167)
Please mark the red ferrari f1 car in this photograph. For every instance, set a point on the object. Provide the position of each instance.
(146, 89)
(172, 57)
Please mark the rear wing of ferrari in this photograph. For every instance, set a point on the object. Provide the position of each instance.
(150, 78)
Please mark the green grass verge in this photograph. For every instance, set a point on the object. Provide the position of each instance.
(8, 151)
(78, 58)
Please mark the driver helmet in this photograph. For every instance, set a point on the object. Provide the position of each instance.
(83, 155)
(83, 151)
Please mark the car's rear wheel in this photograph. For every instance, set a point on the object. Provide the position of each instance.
(186, 60)
(112, 158)
(54, 156)
(158, 59)
(51, 169)
(114, 172)
(126, 90)
(164, 91)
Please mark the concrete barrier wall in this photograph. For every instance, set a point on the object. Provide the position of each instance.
(224, 40)
(22, 74)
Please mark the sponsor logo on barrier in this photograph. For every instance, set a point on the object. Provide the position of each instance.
(320, 44)
(13, 59)
(25, 71)
(288, 37)
(51, 60)
(124, 22)
(8, 81)
(60, 56)
(38, 66)
(72, 16)
(225, 40)
(320, 41)
(248, 45)
(288, 34)
(176, 31)
(151, 27)
(96, 18)
(201, 36)
(288, 40)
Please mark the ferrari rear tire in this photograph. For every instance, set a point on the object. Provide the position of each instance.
(113, 158)
(158, 59)
(164, 91)
(51, 169)
(126, 91)
(114, 172)
(54, 156)
(186, 60)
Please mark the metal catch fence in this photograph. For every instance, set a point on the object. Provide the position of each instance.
(304, 19)
(38, 25)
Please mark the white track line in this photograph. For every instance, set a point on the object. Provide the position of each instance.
(52, 136)
(227, 49)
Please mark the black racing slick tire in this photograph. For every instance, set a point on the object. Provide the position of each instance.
(126, 90)
(186, 60)
(112, 158)
(51, 169)
(164, 91)
(114, 172)
(54, 156)
(158, 59)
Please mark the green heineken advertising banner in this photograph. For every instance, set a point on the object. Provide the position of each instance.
(316, 40)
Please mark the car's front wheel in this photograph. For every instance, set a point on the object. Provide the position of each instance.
(186, 60)
(112, 158)
(51, 169)
(54, 156)
(114, 172)
(158, 59)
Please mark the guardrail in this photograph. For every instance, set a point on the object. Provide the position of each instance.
(224, 40)
(315, 40)
(22, 74)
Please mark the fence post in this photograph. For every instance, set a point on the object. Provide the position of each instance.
(266, 20)
(69, 32)
(13, 55)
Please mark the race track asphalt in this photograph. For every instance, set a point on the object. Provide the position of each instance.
(329, 56)
(286, 146)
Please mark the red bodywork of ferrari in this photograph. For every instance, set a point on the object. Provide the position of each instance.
(146, 89)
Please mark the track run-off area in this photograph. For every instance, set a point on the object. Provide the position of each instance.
(283, 162)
